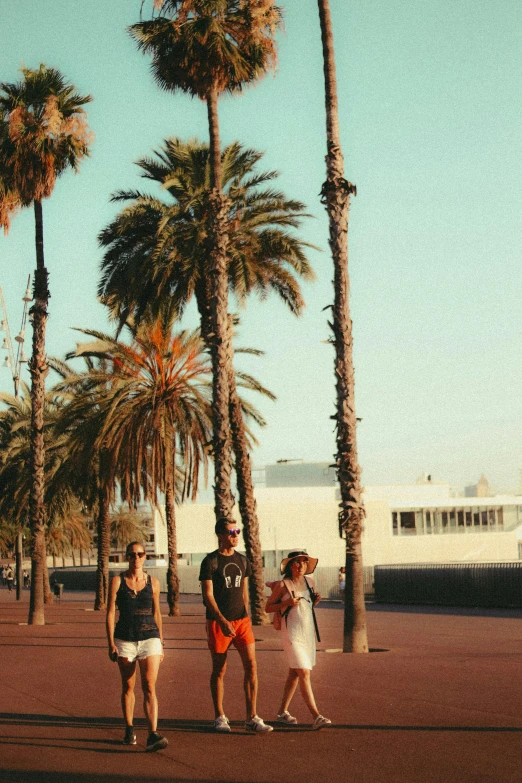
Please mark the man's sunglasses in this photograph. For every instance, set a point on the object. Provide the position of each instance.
(135, 555)
(233, 531)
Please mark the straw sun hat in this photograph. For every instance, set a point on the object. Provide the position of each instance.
(312, 561)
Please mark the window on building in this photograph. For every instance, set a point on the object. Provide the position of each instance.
(408, 523)
(449, 521)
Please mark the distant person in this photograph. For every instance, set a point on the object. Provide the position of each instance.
(137, 636)
(9, 578)
(4, 576)
(224, 578)
(295, 596)
(342, 581)
(26, 578)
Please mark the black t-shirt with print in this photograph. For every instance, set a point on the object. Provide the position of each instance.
(227, 573)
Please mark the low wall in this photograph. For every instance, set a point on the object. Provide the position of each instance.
(84, 578)
(495, 585)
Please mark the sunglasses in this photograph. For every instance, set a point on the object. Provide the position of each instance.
(233, 531)
(135, 555)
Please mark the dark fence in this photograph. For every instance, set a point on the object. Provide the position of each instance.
(496, 585)
(84, 578)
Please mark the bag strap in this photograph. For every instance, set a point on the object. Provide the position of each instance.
(313, 610)
(289, 586)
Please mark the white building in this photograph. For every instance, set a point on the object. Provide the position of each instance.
(418, 523)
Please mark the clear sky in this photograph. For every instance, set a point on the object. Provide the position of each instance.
(430, 115)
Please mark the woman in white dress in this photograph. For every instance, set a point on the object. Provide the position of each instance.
(294, 597)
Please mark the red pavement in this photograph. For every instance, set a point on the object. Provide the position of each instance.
(440, 702)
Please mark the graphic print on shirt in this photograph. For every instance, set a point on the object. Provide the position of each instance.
(233, 577)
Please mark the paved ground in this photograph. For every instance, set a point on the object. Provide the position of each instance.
(438, 700)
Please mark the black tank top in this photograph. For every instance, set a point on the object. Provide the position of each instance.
(136, 621)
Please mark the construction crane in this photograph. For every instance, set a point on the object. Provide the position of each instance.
(14, 359)
(15, 356)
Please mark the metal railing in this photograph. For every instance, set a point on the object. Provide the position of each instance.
(84, 578)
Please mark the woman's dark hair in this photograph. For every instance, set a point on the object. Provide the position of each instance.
(134, 543)
(287, 573)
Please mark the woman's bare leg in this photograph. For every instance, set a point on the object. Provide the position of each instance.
(305, 686)
(149, 668)
(128, 681)
(289, 690)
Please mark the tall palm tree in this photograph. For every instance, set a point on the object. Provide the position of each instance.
(15, 472)
(205, 48)
(155, 398)
(336, 193)
(155, 255)
(47, 134)
(90, 466)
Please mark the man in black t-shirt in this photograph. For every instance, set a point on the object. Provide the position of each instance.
(224, 577)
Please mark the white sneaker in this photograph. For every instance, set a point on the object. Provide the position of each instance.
(285, 717)
(257, 724)
(321, 721)
(222, 725)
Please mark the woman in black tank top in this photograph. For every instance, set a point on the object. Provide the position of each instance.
(137, 636)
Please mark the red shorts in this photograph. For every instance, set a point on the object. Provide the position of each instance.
(219, 643)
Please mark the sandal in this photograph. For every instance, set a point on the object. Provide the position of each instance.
(285, 717)
(321, 721)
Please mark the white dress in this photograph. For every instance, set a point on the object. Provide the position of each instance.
(298, 633)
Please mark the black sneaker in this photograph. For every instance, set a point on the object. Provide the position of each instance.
(130, 737)
(156, 741)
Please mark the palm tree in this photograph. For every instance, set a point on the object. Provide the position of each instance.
(66, 535)
(15, 474)
(155, 402)
(205, 48)
(336, 193)
(126, 526)
(156, 256)
(47, 134)
(90, 466)
(9, 198)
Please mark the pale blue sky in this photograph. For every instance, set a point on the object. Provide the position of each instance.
(430, 115)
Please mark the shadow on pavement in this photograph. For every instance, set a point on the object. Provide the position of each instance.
(205, 726)
(35, 776)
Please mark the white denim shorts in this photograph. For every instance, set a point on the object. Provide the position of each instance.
(135, 651)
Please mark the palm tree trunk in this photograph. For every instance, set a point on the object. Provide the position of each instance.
(172, 543)
(19, 578)
(247, 501)
(104, 537)
(217, 250)
(48, 593)
(38, 368)
(336, 196)
(245, 486)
